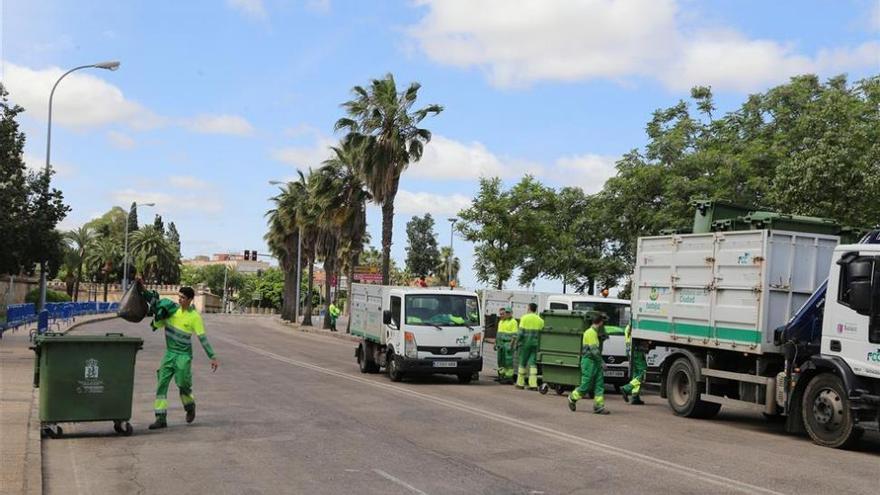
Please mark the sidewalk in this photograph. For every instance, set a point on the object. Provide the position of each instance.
(21, 469)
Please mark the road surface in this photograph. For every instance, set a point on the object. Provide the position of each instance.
(289, 412)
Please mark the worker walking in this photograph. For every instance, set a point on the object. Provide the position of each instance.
(638, 366)
(528, 338)
(179, 327)
(505, 341)
(592, 375)
(334, 312)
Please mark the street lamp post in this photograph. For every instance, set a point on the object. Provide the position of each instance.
(103, 65)
(449, 260)
(125, 256)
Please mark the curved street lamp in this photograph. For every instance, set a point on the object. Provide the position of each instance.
(110, 65)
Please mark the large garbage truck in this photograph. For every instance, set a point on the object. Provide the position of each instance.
(415, 331)
(784, 323)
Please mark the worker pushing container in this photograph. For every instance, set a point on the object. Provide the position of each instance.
(85, 378)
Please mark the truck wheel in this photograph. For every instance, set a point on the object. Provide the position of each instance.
(365, 363)
(465, 378)
(827, 416)
(683, 392)
(394, 371)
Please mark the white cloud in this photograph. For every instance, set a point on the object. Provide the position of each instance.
(303, 157)
(177, 203)
(82, 100)
(219, 124)
(519, 42)
(320, 6)
(121, 140)
(38, 164)
(251, 8)
(446, 158)
(187, 182)
(589, 171)
(419, 203)
(874, 16)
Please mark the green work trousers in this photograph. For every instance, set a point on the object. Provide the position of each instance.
(504, 353)
(638, 369)
(592, 380)
(178, 366)
(528, 359)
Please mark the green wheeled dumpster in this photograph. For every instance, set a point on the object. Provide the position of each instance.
(85, 378)
(559, 353)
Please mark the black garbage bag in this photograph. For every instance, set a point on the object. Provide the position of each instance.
(134, 306)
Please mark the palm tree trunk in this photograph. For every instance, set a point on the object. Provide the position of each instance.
(329, 270)
(106, 283)
(307, 312)
(387, 226)
(79, 272)
(355, 256)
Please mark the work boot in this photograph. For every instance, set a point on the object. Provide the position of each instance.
(625, 393)
(190, 412)
(636, 401)
(159, 423)
(572, 405)
(520, 387)
(600, 410)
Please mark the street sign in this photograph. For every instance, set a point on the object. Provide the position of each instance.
(368, 277)
(366, 269)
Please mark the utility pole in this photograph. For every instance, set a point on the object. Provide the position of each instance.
(225, 275)
(449, 259)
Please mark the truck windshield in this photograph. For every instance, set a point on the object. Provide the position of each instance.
(618, 314)
(442, 309)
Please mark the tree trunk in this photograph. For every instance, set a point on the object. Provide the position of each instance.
(354, 261)
(591, 281)
(387, 226)
(106, 283)
(563, 285)
(329, 271)
(79, 272)
(307, 312)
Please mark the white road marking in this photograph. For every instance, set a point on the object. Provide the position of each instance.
(602, 448)
(398, 481)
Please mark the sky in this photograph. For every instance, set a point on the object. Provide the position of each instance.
(214, 99)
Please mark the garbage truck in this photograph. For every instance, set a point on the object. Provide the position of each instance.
(412, 331)
(785, 323)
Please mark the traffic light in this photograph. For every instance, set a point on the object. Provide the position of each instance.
(254, 255)
(247, 254)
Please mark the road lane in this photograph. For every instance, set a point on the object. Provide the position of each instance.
(288, 412)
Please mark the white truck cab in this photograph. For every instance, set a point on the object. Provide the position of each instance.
(417, 331)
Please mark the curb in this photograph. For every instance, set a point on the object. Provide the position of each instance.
(317, 331)
(33, 476)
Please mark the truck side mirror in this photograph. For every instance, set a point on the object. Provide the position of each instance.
(386, 317)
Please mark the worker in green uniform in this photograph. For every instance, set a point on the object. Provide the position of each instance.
(504, 344)
(177, 362)
(638, 367)
(592, 377)
(528, 337)
(334, 315)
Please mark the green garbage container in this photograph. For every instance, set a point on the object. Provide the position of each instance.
(85, 378)
(559, 353)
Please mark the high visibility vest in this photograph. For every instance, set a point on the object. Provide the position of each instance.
(531, 322)
(508, 326)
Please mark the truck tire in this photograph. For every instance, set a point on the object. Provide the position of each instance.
(683, 392)
(465, 378)
(365, 361)
(826, 412)
(394, 371)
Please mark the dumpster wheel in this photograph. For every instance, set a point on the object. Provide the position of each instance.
(559, 390)
(124, 428)
(544, 388)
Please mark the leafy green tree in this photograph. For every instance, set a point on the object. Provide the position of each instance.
(448, 266)
(422, 255)
(159, 224)
(133, 218)
(158, 257)
(80, 240)
(104, 255)
(264, 290)
(381, 120)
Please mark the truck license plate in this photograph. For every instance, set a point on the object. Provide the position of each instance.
(445, 364)
(615, 373)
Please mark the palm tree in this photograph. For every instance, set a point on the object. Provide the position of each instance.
(341, 200)
(80, 239)
(283, 236)
(447, 260)
(158, 255)
(381, 120)
(103, 256)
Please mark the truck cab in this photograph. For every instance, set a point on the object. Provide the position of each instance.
(415, 331)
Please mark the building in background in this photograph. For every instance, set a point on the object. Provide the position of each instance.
(234, 261)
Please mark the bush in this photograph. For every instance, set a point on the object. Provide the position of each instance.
(51, 296)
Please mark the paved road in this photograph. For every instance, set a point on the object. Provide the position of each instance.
(288, 412)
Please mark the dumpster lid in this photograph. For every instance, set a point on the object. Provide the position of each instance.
(109, 337)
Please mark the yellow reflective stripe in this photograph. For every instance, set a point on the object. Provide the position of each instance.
(160, 405)
(591, 338)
